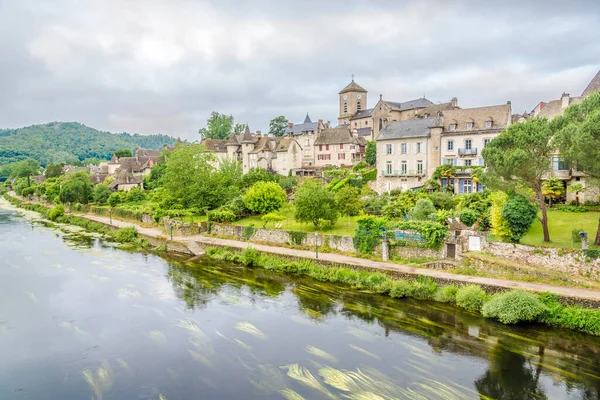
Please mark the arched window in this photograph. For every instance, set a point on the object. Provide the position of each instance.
(345, 107)
(358, 106)
(380, 124)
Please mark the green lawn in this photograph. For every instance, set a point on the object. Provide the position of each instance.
(561, 224)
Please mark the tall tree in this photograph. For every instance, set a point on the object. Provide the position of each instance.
(54, 170)
(315, 203)
(578, 138)
(371, 152)
(25, 168)
(123, 153)
(521, 155)
(278, 125)
(238, 129)
(218, 126)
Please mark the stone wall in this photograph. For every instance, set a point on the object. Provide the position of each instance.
(182, 228)
(415, 252)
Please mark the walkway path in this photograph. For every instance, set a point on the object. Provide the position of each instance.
(191, 242)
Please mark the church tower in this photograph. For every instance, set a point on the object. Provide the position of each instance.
(353, 98)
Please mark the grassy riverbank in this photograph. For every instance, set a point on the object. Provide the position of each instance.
(515, 306)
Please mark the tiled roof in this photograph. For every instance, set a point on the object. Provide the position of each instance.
(338, 136)
(500, 116)
(593, 86)
(433, 109)
(363, 114)
(409, 105)
(554, 108)
(284, 143)
(407, 129)
(216, 145)
(353, 87)
(261, 145)
(125, 177)
(147, 153)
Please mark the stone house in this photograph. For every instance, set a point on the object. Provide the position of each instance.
(125, 181)
(466, 133)
(407, 153)
(305, 134)
(339, 147)
(217, 147)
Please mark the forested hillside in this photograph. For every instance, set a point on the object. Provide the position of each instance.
(69, 142)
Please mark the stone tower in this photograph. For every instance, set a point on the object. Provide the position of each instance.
(353, 98)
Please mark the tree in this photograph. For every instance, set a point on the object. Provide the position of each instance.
(278, 125)
(257, 175)
(271, 217)
(152, 181)
(500, 227)
(348, 201)
(218, 126)
(521, 155)
(25, 168)
(100, 193)
(238, 128)
(75, 191)
(315, 203)
(553, 188)
(264, 197)
(422, 210)
(519, 214)
(53, 170)
(371, 152)
(576, 188)
(123, 153)
(578, 138)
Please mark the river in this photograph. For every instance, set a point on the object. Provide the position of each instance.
(81, 319)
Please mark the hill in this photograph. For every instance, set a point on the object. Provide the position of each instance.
(70, 141)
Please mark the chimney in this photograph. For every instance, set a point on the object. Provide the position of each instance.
(508, 102)
(565, 100)
(380, 97)
(454, 102)
(290, 124)
(320, 122)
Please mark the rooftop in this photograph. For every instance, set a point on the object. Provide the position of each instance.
(408, 129)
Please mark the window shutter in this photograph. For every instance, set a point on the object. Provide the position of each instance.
(461, 186)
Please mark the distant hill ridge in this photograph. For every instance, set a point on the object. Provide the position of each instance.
(69, 142)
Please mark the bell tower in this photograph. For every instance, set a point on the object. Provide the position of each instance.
(353, 98)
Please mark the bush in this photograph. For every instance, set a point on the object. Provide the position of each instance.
(116, 198)
(442, 201)
(136, 194)
(513, 307)
(250, 257)
(264, 197)
(467, 216)
(125, 235)
(582, 319)
(575, 237)
(222, 215)
(271, 217)
(500, 227)
(367, 234)
(470, 297)
(519, 214)
(424, 288)
(422, 210)
(442, 216)
(401, 288)
(572, 209)
(56, 212)
(101, 193)
(447, 294)
(434, 233)
(288, 183)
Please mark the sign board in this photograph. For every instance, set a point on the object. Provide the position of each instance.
(474, 243)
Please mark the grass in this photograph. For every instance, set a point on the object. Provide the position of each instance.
(560, 225)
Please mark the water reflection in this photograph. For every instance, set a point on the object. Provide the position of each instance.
(124, 325)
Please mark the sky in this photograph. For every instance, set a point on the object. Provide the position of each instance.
(162, 66)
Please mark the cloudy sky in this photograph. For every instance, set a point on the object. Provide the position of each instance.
(162, 66)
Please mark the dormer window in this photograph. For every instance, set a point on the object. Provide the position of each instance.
(488, 124)
(452, 127)
(469, 125)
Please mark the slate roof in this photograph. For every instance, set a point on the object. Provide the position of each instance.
(306, 126)
(284, 143)
(593, 86)
(433, 109)
(353, 87)
(147, 153)
(338, 136)
(364, 131)
(408, 105)
(554, 108)
(215, 145)
(125, 177)
(363, 114)
(307, 119)
(408, 129)
(247, 137)
(500, 116)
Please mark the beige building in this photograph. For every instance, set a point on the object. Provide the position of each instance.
(305, 134)
(407, 153)
(339, 147)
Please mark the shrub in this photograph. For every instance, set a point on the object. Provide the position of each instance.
(116, 198)
(271, 217)
(447, 294)
(297, 237)
(434, 233)
(124, 235)
(582, 319)
(575, 237)
(500, 227)
(248, 231)
(136, 194)
(422, 210)
(250, 257)
(370, 175)
(467, 216)
(470, 297)
(513, 307)
(442, 216)
(519, 214)
(367, 234)
(573, 209)
(401, 288)
(424, 288)
(56, 212)
(362, 164)
(221, 215)
(100, 193)
(264, 197)
(288, 183)
(442, 201)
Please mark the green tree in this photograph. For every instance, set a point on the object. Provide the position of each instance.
(75, 191)
(218, 126)
(123, 153)
(278, 125)
(578, 138)
(264, 197)
(553, 188)
(422, 210)
(576, 188)
(271, 217)
(100, 193)
(152, 181)
(519, 214)
(315, 203)
(500, 227)
(238, 128)
(257, 175)
(53, 170)
(25, 168)
(348, 201)
(371, 152)
(521, 155)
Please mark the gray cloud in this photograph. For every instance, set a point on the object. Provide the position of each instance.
(163, 66)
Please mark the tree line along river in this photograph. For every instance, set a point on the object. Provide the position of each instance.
(82, 319)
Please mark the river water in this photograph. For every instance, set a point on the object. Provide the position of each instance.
(80, 319)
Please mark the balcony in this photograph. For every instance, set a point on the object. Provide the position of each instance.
(403, 173)
(467, 152)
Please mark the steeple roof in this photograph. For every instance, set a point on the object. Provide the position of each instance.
(592, 86)
(247, 136)
(353, 87)
(307, 119)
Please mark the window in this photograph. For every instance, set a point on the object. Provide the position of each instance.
(468, 144)
(452, 127)
(481, 162)
(326, 147)
(388, 149)
(469, 125)
(388, 168)
(559, 164)
(307, 142)
(320, 147)
(419, 166)
(341, 156)
(355, 124)
(488, 124)
(468, 163)
(403, 148)
(450, 145)
(380, 123)
(403, 168)
(345, 107)
(467, 186)
(341, 146)
(420, 147)
(448, 161)
(358, 106)
(485, 142)
(366, 123)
